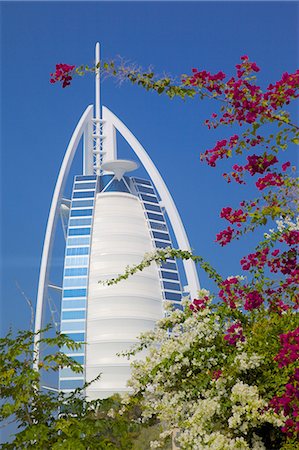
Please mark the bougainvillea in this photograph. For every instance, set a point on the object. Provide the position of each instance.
(226, 377)
(62, 74)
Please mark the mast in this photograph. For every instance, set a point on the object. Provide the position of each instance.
(97, 108)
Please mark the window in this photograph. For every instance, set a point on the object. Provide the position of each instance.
(171, 286)
(173, 296)
(69, 327)
(155, 217)
(81, 203)
(79, 194)
(158, 226)
(78, 231)
(116, 186)
(78, 359)
(77, 251)
(152, 207)
(75, 272)
(71, 384)
(72, 304)
(72, 315)
(66, 373)
(71, 242)
(76, 261)
(81, 212)
(77, 337)
(146, 190)
(79, 350)
(169, 265)
(149, 198)
(159, 244)
(75, 281)
(178, 306)
(78, 222)
(80, 186)
(85, 177)
(169, 275)
(158, 235)
(74, 293)
(140, 181)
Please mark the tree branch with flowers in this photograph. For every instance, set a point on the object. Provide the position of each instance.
(227, 376)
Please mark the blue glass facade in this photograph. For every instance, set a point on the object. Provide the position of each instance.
(170, 279)
(75, 279)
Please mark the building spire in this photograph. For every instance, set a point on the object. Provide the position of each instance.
(97, 107)
(97, 82)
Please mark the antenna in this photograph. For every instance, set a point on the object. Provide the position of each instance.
(97, 82)
(97, 107)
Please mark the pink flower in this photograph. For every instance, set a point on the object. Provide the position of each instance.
(62, 74)
(285, 166)
(237, 216)
(234, 334)
(289, 351)
(225, 236)
(198, 304)
(253, 300)
(291, 237)
(271, 179)
(216, 374)
(259, 164)
(288, 404)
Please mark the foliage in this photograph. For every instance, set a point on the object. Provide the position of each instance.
(48, 420)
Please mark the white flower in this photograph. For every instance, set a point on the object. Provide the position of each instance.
(245, 362)
(111, 413)
(287, 223)
(203, 293)
(257, 443)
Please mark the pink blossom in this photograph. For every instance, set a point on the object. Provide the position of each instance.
(285, 166)
(271, 179)
(253, 300)
(234, 334)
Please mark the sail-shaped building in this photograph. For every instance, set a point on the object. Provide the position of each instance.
(112, 219)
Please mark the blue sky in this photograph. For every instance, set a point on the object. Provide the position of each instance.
(38, 119)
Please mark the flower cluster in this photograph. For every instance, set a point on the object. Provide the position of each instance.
(207, 80)
(256, 260)
(289, 351)
(225, 236)
(63, 74)
(201, 302)
(288, 403)
(283, 91)
(271, 179)
(259, 164)
(253, 300)
(291, 237)
(231, 292)
(255, 164)
(221, 150)
(234, 334)
(247, 67)
(237, 216)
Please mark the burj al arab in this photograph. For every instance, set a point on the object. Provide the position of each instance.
(113, 218)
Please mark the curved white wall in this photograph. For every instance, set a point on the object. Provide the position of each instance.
(117, 314)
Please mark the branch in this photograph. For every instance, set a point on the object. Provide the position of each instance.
(29, 302)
